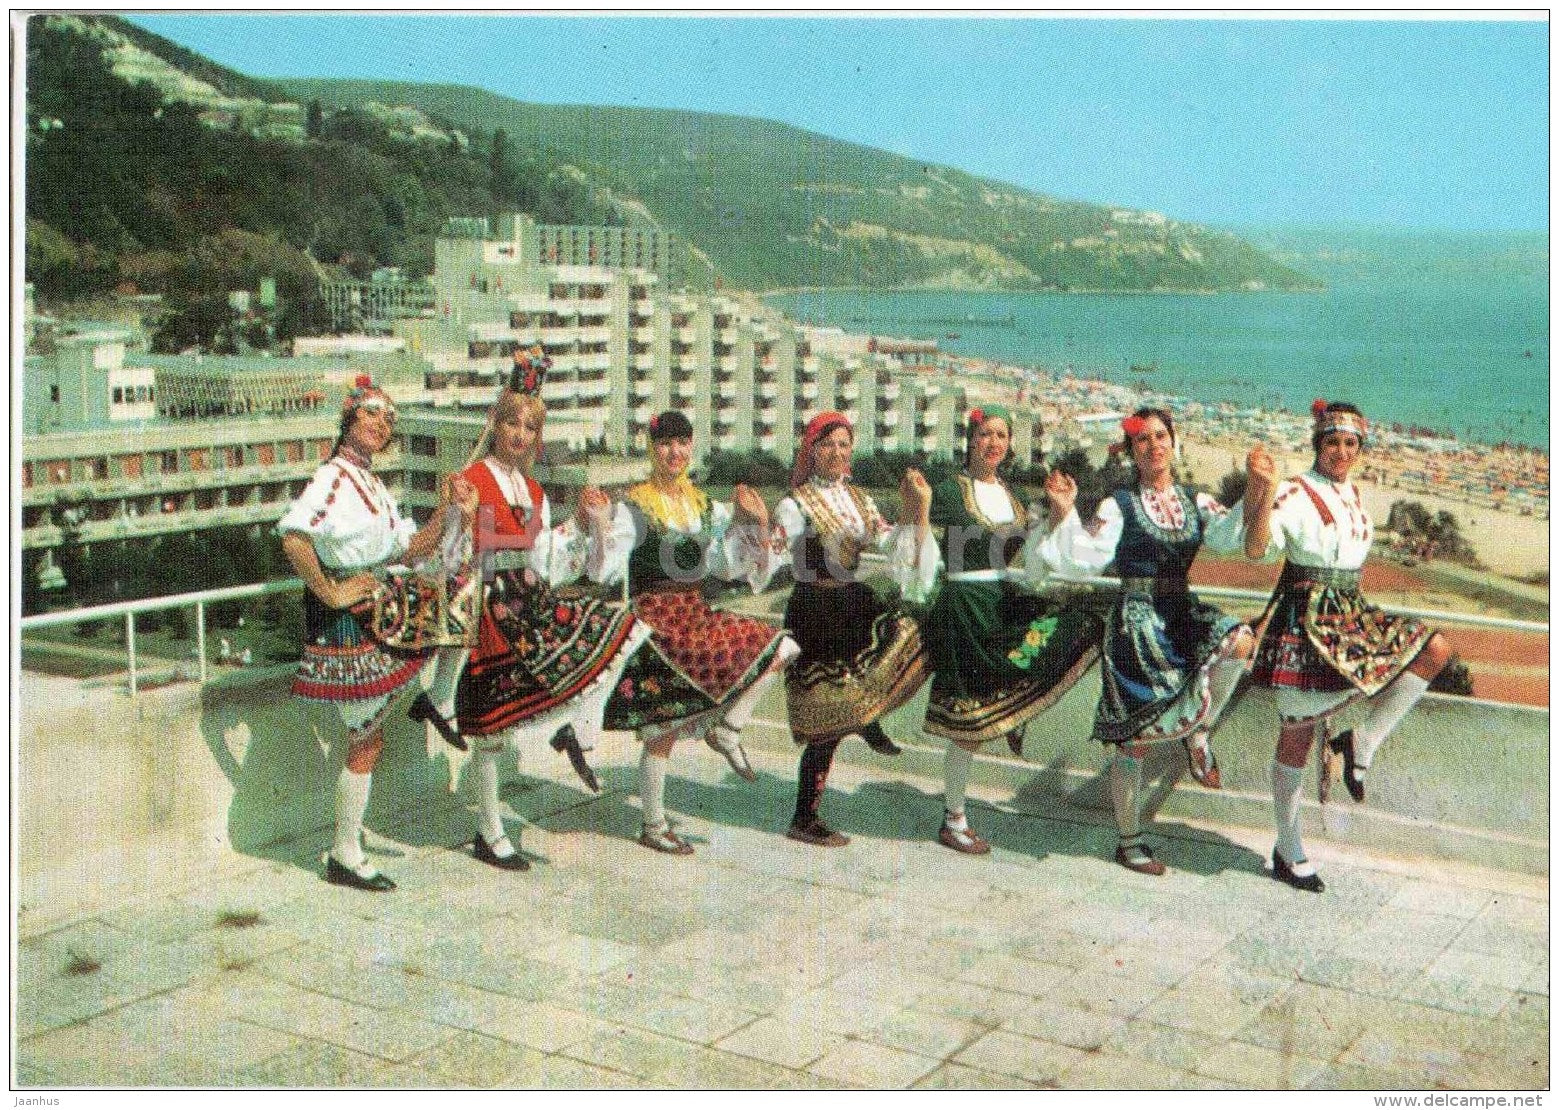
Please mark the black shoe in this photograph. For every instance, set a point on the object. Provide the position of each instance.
(567, 741)
(422, 709)
(342, 875)
(484, 852)
(1283, 873)
(1343, 746)
(1015, 742)
(878, 741)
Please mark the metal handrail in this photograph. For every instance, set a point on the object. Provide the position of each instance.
(200, 599)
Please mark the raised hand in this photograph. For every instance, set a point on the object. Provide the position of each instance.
(749, 506)
(461, 494)
(595, 506)
(1060, 494)
(1261, 474)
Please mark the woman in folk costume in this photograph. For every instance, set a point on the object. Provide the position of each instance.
(542, 663)
(1171, 661)
(1000, 656)
(341, 529)
(703, 671)
(1325, 646)
(860, 658)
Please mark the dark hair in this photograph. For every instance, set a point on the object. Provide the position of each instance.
(670, 424)
(1331, 407)
(1142, 414)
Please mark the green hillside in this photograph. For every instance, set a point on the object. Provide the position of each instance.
(773, 206)
(151, 169)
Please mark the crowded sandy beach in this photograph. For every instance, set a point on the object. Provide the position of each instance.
(1498, 494)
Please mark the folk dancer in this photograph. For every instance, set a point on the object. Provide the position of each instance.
(703, 671)
(860, 657)
(341, 529)
(1325, 646)
(1000, 655)
(1171, 661)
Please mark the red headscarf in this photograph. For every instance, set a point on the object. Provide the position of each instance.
(818, 427)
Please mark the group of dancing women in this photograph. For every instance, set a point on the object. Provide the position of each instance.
(972, 611)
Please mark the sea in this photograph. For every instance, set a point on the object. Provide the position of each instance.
(1438, 330)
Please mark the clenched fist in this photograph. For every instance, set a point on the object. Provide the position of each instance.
(1261, 474)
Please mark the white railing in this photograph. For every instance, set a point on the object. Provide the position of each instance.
(199, 600)
(128, 610)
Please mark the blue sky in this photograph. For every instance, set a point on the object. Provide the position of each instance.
(1429, 124)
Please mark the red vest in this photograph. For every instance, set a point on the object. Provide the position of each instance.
(497, 514)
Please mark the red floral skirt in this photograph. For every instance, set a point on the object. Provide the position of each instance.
(698, 659)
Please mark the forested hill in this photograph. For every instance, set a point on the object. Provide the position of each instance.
(151, 169)
(773, 206)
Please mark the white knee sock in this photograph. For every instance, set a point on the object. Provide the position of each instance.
(444, 676)
(1387, 709)
(741, 709)
(652, 787)
(1286, 783)
(351, 804)
(955, 773)
(1221, 682)
(1125, 785)
(489, 811)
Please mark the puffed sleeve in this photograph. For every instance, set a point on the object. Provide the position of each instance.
(913, 554)
(1073, 548)
(742, 552)
(310, 513)
(1289, 506)
(606, 561)
(559, 554)
(1223, 530)
(789, 525)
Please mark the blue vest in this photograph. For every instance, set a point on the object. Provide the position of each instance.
(1148, 551)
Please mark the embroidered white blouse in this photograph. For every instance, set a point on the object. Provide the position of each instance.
(1304, 535)
(736, 552)
(912, 565)
(561, 555)
(350, 517)
(1073, 548)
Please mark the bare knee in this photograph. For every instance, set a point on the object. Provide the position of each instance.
(363, 754)
(1244, 644)
(1294, 742)
(661, 746)
(1432, 660)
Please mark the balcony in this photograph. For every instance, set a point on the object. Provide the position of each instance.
(809, 391)
(929, 442)
(685, 388)
(931, 418)
(643, 387)
(888, 441)
(766, 441)
(768, 390)
(890, 392)
(851, 391)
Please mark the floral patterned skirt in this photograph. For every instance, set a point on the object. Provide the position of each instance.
(1159, 651)
(697, 660)
(860, 659)
(342, 662)
(537, 649)
(1327, 638)
(1001, 657)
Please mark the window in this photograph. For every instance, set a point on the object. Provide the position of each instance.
(424, 445)
(169, 461)
(294, 450)
(235, 457)
(266, 453)
(100, 470)
(424, 481)
(54, 394)
(119, 395)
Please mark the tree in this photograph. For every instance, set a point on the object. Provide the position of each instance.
(501, 165)
(315, 125)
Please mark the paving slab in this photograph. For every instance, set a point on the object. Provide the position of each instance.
(760, 963)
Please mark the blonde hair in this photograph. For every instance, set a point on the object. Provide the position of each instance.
(522, 405)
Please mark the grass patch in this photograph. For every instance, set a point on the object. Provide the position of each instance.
(238, 919)
(81, 963)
